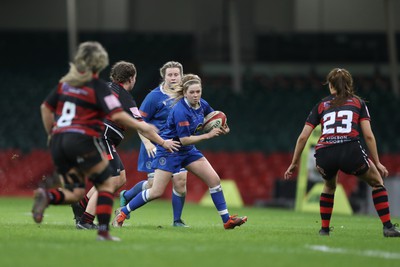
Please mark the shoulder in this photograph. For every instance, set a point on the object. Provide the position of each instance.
(156, 91)
(357, 102)
(154, 94)
(100, 84)
(179, 107)
(204, 102)
(325, 102)
(327, 98)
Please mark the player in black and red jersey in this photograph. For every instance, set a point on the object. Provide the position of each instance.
(342, 115)
(123, 77)
(73, 117)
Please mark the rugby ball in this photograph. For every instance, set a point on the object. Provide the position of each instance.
(215, 119)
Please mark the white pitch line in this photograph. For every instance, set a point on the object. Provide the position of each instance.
(367, 253)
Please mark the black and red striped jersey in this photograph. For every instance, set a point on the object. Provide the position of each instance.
(338, 124)
(82, 109)
(128, 104)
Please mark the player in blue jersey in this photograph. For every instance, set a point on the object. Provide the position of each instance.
(184, 124)
(72, 115)
(342, 114)
(155, 109)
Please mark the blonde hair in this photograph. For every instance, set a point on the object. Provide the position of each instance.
(169, 65)
(342, 81)
(90, 58)
(180, 90)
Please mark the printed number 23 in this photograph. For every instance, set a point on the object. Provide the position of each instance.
(330, 126)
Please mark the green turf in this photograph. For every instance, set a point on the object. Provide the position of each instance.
(271, 237)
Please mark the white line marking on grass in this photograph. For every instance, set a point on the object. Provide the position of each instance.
(367, 253)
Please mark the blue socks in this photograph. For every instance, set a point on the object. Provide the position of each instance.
(218, 198)
(136, 189)
(138, 201)
(178, 201)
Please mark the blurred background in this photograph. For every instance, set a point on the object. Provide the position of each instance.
(262, 62)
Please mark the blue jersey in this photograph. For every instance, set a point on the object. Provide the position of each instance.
(154, 109)
(183, 121)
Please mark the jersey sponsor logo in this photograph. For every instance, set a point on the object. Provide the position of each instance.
(112, 102)
(66, 88)
(183, 123)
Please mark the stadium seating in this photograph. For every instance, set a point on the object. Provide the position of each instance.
(254, 172)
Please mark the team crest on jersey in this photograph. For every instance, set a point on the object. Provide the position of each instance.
(162, 161)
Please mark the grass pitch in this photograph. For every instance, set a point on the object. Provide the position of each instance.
(271, 237)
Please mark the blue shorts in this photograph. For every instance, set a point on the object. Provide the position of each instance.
(174, 162)
(144, 161)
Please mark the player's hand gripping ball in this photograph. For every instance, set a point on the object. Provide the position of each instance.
(215, 119)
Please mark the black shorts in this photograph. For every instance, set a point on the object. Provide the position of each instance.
(350, 158)
(113, 157)
(74, 150)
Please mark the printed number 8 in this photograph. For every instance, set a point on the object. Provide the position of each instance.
(68, 113)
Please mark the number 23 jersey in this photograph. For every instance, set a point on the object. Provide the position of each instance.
(339, 124)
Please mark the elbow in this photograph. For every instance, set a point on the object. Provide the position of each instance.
(302, 139)
(44, 109)
(116, 117)
(184, 141)
(369, 138)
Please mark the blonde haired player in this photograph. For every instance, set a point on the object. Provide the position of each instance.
(184, 125)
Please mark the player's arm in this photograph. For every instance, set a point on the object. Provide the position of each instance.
(47, 118)
(300, 144)
(372, 147)
(150, 147)
(147, 130)
(193, 139)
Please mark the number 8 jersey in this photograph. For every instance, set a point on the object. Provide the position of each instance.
(82, 109)
(339, 124)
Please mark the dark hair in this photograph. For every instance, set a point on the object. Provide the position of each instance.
(342, 81)
(122, 71)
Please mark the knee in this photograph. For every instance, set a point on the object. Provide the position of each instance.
(180, 190)
(77, 195)
(329, 188)
(121, 181)
(149, 183)
(180, 186)
(100, 177)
